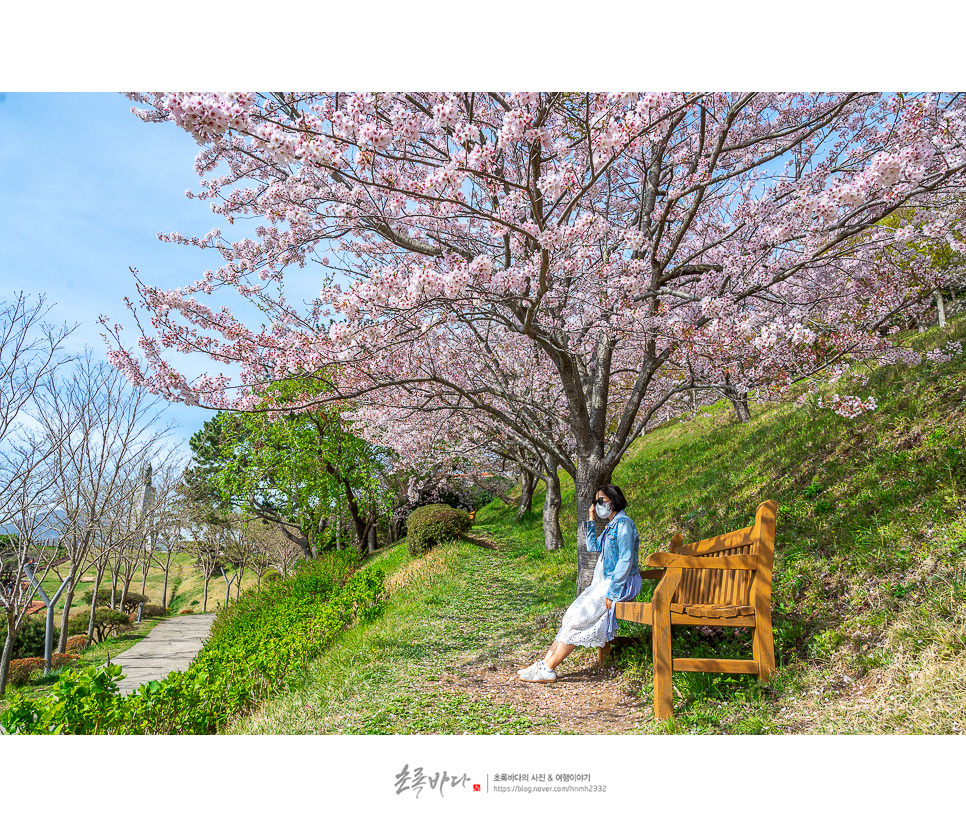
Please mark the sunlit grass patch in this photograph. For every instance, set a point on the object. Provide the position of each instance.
(420, 571)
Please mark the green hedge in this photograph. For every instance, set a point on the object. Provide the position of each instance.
(256, 647)
(432, 524)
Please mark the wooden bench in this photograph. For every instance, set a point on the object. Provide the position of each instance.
(723, 581)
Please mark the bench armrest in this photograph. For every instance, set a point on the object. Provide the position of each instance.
(662, 559)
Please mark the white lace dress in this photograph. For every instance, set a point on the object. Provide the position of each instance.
(585, 623)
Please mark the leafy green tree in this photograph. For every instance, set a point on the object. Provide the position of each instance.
(297, 470)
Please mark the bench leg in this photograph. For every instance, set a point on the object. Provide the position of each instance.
(661, 643)
(763, 650)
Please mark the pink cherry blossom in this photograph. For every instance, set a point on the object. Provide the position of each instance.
(557, 270)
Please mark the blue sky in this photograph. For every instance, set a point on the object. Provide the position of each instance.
(85, 186)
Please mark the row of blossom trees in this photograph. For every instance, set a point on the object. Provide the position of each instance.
(551, 271)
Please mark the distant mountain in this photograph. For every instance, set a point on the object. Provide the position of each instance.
(50, 535)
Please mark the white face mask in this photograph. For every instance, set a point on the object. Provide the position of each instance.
(603, 510)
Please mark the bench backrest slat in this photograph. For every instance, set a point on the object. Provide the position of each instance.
(728, 587)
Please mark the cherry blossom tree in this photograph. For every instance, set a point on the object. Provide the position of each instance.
(549, 260)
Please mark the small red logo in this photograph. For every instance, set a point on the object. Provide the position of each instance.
(476, 787)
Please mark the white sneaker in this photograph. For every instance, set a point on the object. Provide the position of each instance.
(538, 673)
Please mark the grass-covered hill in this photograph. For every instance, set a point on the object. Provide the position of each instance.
(869, 600)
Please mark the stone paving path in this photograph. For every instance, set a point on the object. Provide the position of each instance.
(170, 647)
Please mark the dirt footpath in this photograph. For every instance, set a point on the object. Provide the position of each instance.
(585, 700)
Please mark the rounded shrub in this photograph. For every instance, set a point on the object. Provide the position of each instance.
(21, 670)
(106, 621)
(155, 612)
(432, 524)
(77, 643)
(186, 611)
(131, 601)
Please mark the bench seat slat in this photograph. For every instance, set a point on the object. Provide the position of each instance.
(714, 612)
(728, 622)
(640, 612)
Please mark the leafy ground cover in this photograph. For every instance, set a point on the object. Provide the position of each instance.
(97, 655)
(869, 601)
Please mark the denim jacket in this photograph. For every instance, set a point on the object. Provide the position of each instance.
(619, 542)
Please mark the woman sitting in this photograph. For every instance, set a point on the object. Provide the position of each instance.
(591, 619)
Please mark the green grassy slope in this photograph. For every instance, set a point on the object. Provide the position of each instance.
(869, 601)
(869, 592)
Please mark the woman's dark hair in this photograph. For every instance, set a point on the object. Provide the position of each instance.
(617, 500)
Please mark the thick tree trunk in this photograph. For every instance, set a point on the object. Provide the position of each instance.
(373, 540)
(528, 483)
(552, 534)
(591, 476)
(204, 603)
(940, 307)
(738, 400)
